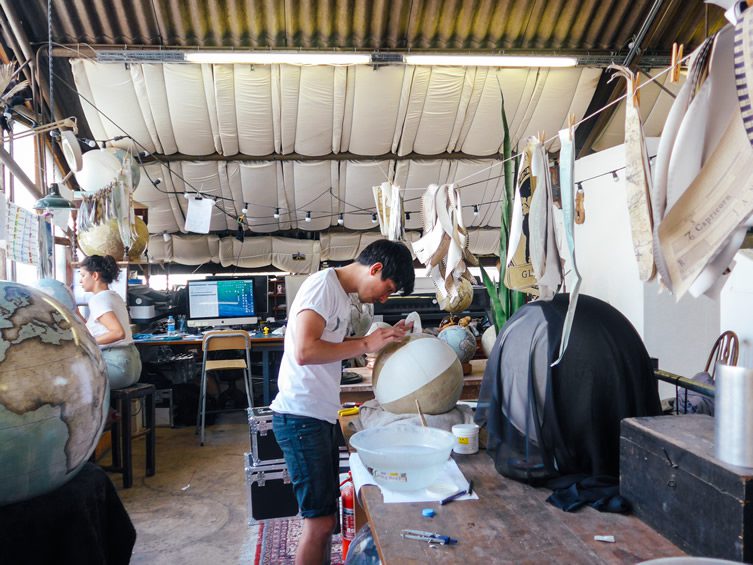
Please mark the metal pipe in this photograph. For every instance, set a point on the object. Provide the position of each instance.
(684, 382)
(18, 173)
(635, 47)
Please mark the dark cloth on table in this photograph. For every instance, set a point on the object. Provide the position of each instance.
(82, 522)
(544, 422)
(571, 492)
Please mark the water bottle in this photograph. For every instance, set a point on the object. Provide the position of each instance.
(170, 325)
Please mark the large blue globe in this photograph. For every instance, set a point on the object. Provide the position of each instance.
(58, 290)
(461, 340)
(53, 393)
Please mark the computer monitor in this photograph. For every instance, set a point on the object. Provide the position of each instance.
(221, 302)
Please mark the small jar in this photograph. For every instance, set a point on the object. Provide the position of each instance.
(466, 438)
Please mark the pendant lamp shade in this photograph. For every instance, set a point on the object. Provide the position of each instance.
(53, 200)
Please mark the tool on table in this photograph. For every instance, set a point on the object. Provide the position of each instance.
(420, 414)
(458, 494)
(429, 537)
(348, 411)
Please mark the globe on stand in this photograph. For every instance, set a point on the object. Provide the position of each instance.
(104, 239)
(461, 301)
(53, 393)
(462, 341)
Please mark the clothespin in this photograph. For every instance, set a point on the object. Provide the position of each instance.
(571, 125)
(674, 75)
(542, 137)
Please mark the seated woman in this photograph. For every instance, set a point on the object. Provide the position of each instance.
(108, 321)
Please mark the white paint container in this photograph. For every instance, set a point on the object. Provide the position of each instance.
(466, 438)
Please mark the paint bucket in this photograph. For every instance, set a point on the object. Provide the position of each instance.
(466, 438)
(733, 416)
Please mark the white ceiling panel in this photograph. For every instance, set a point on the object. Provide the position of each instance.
(439, 110)
(357, 179)
(313, 134)
(253, 109)
(154, 82)
(376, 102)
(312, 182)
(189, 111)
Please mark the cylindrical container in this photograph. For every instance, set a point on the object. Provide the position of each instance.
(733, 429)
(466, 438)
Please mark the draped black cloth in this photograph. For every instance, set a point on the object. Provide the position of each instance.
(545, 422)
(82, 522)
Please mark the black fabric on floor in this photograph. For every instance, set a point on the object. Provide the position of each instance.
(571, 492)
(543, 421)
(82, 522)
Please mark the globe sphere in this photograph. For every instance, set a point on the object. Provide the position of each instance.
(57, 290)
(461, 340)
(100, 168)
(420, 367)
(53, 393)
(460, 302)
(362, 550)
(104, 239)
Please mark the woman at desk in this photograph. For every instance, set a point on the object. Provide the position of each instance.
(108, 321)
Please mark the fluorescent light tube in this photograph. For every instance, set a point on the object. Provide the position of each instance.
(490, 61)
(271, 58)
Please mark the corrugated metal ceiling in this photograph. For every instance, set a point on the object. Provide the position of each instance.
(365, 24)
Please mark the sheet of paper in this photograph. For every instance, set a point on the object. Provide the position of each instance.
(199, 214)
(451, 474)
(704, 217)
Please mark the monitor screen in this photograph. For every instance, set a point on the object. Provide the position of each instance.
(221, 302)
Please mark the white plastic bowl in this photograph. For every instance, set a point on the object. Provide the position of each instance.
(403, 457)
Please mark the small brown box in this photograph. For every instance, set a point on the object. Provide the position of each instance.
(669, 474)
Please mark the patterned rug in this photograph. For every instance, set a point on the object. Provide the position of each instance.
(278, 540)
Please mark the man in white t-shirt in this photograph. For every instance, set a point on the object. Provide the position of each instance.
(305, 409)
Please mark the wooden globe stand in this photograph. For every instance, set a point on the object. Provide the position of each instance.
(467, 369)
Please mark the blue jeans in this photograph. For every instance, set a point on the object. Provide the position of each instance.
(123, 366)
(310, 451)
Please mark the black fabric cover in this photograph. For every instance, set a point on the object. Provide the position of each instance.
(82, 522)
(544, 422)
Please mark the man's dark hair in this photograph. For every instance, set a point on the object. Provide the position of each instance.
(396, 260)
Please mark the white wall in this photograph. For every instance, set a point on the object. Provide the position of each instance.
(737, 305)
(680, 334)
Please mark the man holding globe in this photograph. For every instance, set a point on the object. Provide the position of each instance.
(305, 409)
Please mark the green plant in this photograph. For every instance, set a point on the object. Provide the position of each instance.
(504, 302)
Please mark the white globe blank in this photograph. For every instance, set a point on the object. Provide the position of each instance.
(100, 168)
(421, 368)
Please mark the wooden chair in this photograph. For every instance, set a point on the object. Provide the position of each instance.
(223, 340)
(725, 350)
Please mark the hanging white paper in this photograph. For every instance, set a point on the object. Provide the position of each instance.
(199, 214)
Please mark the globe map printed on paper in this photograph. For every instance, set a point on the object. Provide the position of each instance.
(53, 392)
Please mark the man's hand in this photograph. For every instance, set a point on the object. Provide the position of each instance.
(378, 339)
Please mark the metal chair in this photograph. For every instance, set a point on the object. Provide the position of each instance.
(726, 350)
(223, 340)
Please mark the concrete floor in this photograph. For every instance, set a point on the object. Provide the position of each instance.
(193, 510)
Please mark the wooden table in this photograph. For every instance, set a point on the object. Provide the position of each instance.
(363, 391)
(510, 523)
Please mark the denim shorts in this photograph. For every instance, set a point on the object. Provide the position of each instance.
(310, 452)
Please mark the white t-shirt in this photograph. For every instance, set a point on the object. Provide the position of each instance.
(314, 390)
(102, 303)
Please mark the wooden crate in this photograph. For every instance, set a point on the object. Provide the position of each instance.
(669, 474)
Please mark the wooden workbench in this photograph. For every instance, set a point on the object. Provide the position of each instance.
(363, 391)
(510, 523)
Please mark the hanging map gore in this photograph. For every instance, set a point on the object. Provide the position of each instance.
(697, 72)
(389, 206)
(519, 272)
(444, 247)
(542, 242)
(710, 170)
(637, 177)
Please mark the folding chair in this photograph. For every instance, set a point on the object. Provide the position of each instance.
(223, 340)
